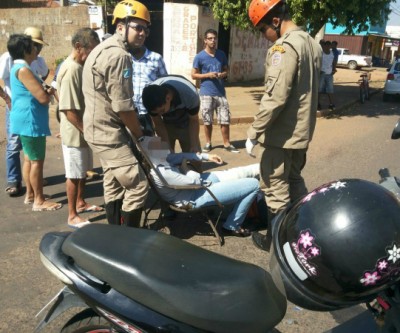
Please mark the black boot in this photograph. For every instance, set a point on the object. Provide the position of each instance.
(132, 218)
(113, 212)
(263, 242)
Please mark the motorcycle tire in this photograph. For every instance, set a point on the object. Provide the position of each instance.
(87, 321)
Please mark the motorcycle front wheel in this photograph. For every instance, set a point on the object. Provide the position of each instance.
(87, 321)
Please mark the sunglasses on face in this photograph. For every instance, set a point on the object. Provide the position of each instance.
(139, 28)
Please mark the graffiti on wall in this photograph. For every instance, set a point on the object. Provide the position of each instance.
(248, 51)
(183, 37)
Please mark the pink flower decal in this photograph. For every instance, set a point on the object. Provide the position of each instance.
(370, 279)
(315, 251)
(305, 250)
(306, 239)
(309, 196)
(386, 268)
(382, 265)
(323, 190)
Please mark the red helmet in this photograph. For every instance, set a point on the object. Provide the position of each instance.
(259, 8)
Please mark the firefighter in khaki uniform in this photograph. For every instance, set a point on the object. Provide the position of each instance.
(286, 120)
(109, 112)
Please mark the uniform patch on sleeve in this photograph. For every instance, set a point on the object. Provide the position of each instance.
(278, 48)
(276, 59)
(127, 73)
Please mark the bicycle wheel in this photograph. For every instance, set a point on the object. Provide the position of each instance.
(367, 94)
(362, 94)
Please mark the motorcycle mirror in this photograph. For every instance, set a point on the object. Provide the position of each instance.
(396, 131)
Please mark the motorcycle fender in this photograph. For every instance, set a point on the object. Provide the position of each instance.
(64, 300)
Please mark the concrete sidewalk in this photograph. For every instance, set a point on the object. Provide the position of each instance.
(244, 98)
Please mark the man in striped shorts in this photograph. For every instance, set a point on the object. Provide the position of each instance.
(211, 67)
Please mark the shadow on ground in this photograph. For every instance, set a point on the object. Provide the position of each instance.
(374, 107)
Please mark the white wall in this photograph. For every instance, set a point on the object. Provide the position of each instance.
(181, 23)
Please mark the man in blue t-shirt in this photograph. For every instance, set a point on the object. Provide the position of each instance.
(211, 67)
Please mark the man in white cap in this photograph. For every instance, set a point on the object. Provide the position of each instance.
(13, 164)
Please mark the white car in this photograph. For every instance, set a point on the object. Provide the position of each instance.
(392, 84)
(353, 61)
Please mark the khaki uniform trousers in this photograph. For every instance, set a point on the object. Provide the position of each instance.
(281, 179)
(123, 178)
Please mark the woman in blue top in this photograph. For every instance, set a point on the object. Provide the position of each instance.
(30, 118)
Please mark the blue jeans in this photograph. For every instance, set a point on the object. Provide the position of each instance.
(13, 163)
(239, 192)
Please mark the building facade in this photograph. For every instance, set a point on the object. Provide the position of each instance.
(177, 32)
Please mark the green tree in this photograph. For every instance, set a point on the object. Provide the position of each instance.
(354, 15)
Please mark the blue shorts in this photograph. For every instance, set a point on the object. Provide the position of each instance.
(326, 83)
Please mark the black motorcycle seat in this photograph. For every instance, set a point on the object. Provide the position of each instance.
(177, 279)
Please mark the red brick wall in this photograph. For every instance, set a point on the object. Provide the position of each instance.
(57, 24)
(356, 44)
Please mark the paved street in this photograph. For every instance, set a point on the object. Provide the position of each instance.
(353, 143)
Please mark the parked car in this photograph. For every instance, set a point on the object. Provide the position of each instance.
(353, 61)
(392, 84)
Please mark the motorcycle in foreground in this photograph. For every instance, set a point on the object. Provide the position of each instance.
(337, 247)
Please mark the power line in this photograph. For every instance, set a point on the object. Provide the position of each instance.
(395, 11)
(395, 7)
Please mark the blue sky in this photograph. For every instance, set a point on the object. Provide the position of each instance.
(394, 17)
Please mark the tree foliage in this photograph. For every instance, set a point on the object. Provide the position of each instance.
(354, 15)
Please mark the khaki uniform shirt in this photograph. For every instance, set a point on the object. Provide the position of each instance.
(287, 114)
(107, 87)
(69, 88)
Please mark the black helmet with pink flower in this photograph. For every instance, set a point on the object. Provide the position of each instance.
(339, 245)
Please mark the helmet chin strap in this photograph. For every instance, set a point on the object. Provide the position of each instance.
(126, 33)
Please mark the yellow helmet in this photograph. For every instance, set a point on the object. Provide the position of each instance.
(131, 8)
(36, 35)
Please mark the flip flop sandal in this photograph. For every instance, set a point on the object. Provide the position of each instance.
(91, 208)
(53, 207)
(79, 225)
(13, 190)
(30, 201)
